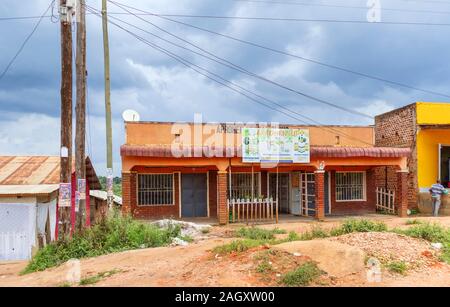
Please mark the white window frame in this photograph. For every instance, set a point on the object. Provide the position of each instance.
(364, 187)
(155, 205)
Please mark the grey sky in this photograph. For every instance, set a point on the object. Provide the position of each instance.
(161, 89)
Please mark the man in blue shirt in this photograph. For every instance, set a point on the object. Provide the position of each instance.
(436, 191)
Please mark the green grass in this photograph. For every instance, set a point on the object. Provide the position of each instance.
(96, 278)
(264, 267)
(304, 275)
(413, 222)
(114, 234)
(237, 246)
(256, 233)
(398, 267)
(315, 233)
(433, 233)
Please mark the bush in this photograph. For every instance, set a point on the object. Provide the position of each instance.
(114, 234)
(255, 233)
(238, 246)
(413, 222)
(398, 267)
(302, 276)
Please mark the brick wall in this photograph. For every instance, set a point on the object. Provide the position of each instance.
(222, 186)
(355, 207)
(213, 194)
(398, 129)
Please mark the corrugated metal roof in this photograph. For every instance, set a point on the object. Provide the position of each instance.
(103, 196)
(37, 170)
(25, 190)
(316, 152)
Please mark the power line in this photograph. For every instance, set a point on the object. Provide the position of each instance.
(231, 65)
(254, 18)
(342, 6)
(25, 42)
(332, 66)
(216, 77)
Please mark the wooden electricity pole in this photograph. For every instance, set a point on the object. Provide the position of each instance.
(80, 133)
(109, 159)
(66, 112)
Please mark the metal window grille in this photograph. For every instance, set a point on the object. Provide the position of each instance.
(241, 185)
(155, 189)
(350, 186)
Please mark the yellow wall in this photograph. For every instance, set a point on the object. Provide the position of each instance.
(428, 141)
(433, 113)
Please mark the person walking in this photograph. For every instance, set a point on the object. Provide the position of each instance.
(436, 191)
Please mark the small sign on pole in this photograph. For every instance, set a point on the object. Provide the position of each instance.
(65, 195)
(82, 189)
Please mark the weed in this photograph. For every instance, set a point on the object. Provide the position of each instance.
(302, 276)
(413, 222)
(314, 233)
(399, 267)
(255, 233)
(237, 246)
(96, 278)
(264, 267)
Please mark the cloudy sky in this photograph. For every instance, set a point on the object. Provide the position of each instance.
(162, 89)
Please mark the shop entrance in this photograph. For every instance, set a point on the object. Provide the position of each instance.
(444, 165)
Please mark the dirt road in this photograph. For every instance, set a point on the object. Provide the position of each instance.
(196, 265)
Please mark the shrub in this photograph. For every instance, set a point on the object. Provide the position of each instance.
(255, 233)
(398, 267)
(114, 234)
(413, 222)
(302, 276)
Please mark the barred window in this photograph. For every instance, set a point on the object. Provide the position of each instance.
(241, 185)
(350, 186)
(155, 189)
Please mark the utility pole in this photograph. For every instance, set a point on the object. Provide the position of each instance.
(109, 159)
(80, 109)
(66, 114)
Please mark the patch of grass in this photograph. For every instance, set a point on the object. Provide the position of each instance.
(315, 233)
(361, 225)
(65, 285)
(237, 246)
(304, 275)
(293, 236)
(413, 222)
(113, 234)
(188, 239)
(264, 267)
(399, 267)
(256, 233)
(427, 231)
(96, 278)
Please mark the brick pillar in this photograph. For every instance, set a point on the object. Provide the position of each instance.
(319, 177)
(222, 195)
(126, 193)
(401, 193)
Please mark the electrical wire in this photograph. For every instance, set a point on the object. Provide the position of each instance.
(226, 83)
(347, 70)
(233, 66)
(24, 43)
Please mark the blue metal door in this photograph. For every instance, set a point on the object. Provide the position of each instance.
(194, 195)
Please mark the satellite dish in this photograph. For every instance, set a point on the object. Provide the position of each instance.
(130, 116)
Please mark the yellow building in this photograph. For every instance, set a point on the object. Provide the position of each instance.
(425, 128)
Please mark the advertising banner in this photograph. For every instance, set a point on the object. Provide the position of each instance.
(273, 145)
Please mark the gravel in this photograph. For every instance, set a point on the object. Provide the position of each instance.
(388, 247)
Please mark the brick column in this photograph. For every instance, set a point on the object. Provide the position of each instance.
(401, 193)
(127, 192)
(319, 177)
(222, 196)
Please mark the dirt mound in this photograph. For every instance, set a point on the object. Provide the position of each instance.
(336, 259)
(388, 247)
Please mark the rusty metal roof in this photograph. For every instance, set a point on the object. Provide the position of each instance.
(165, 151)
(38, 170)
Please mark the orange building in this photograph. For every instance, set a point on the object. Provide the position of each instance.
(184, 170)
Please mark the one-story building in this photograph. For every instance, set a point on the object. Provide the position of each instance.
(29, 188)
(184, 170)
(424, 128)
